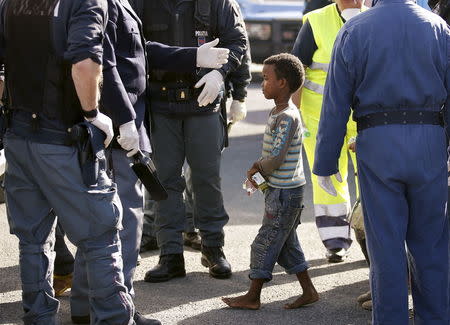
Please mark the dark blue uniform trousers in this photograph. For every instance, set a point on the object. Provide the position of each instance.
(403, 179)
(130, 192)
(43, 180)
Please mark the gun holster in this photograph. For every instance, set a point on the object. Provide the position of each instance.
(91, 151)
(145, 170)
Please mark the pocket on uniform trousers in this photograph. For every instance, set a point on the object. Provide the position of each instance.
(105, 208)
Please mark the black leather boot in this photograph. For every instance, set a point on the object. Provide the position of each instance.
(214, 259)
(139, 319)
(169, 266)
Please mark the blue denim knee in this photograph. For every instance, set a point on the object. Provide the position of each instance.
(277, 239)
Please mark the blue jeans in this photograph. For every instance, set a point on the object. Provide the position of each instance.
(277, 239)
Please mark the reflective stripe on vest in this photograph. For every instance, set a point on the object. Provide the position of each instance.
(317, 88)
(319, 66)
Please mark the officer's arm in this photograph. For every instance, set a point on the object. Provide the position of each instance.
(171, 58)
(232, 34)
(115, 100)
(336, 105)
(86, 76)
(84, 49)
(304, 48)
(86, 28)
(241, 78)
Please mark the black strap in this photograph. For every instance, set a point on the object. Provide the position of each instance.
(399, 117)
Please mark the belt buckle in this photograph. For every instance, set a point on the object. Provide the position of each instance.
(181, 94)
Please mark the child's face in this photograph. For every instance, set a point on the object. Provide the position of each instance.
(271, 84)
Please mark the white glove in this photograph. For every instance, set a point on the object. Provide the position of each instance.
(213, 82)
(129, 138)
(210, 57)
(326, 183)
(238, 111)
(104, 123)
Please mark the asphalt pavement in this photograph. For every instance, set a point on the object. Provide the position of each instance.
(196, 299)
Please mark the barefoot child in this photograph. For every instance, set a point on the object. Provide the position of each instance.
(281, 165)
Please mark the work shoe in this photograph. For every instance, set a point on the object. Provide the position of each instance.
(86, 319)
(169, 266)
(61, 283)
(336, 255)
(367, 305)
(214, 259)
(193, 240)
(364, 297)
(148, 243)
(139, 319)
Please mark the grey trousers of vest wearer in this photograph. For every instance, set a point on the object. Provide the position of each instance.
(199, 141)
(130, 192)
(43, 180)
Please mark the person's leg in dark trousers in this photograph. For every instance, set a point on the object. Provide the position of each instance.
(64, 263)
(403, 203)
(204, 136)
(168, 141)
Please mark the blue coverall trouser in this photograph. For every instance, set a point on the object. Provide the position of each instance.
(403, 181)
(42, 180)
(129, 189)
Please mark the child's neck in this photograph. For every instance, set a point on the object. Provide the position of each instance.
(281, 103)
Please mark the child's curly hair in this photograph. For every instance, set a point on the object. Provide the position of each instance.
(289, 67)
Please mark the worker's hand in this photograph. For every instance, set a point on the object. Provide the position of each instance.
(129, 138)
(326, 183)
(210, 57)
(213, 82)
(104, 123)
(238, 111)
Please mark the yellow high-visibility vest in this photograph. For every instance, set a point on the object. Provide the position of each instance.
(325, 24)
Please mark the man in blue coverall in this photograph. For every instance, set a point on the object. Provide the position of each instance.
(123, 99)
(391, 66)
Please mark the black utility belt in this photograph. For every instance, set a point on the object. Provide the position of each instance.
(399, 117)
(171, 94)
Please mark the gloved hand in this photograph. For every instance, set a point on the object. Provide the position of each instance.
(104, 123)
(238, 111)
(129, 138)
(210, 57)
(326, 183)
(213, 82)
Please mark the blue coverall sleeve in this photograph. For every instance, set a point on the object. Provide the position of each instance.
(447, 84)
(85, 29)
(171, 58)
(337, 100)
(114, 94)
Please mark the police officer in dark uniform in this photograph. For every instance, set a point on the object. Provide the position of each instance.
(47, 94)
(123, 99)
(186, 124)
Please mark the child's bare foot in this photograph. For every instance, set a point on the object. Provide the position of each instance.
(242, 302)
(304, 299)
